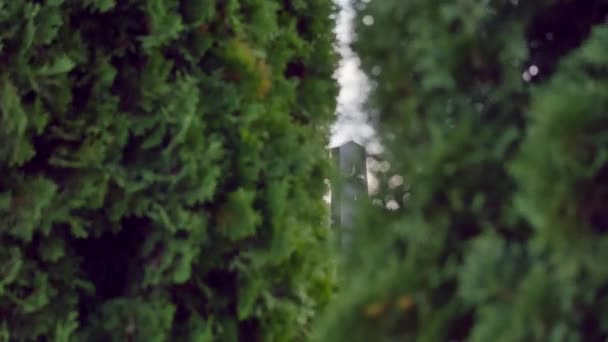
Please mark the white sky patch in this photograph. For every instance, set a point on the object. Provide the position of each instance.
(352, 122)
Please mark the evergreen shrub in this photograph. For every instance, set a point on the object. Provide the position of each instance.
(495, 115)
(161, 167)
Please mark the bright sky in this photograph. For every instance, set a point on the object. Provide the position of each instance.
(351, 122)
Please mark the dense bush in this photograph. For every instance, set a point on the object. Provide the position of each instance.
(160, 167)
(495, 114)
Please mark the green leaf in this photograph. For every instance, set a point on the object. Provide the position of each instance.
(60, 65)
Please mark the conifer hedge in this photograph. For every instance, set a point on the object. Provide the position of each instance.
(495, 113)
(161, 167)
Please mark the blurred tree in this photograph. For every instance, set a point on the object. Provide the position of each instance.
(161, 167)
(493, 117)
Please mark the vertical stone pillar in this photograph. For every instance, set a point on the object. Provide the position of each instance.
(348, 188)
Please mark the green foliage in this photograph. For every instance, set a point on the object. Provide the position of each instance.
(494, 113)
(161, 168)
